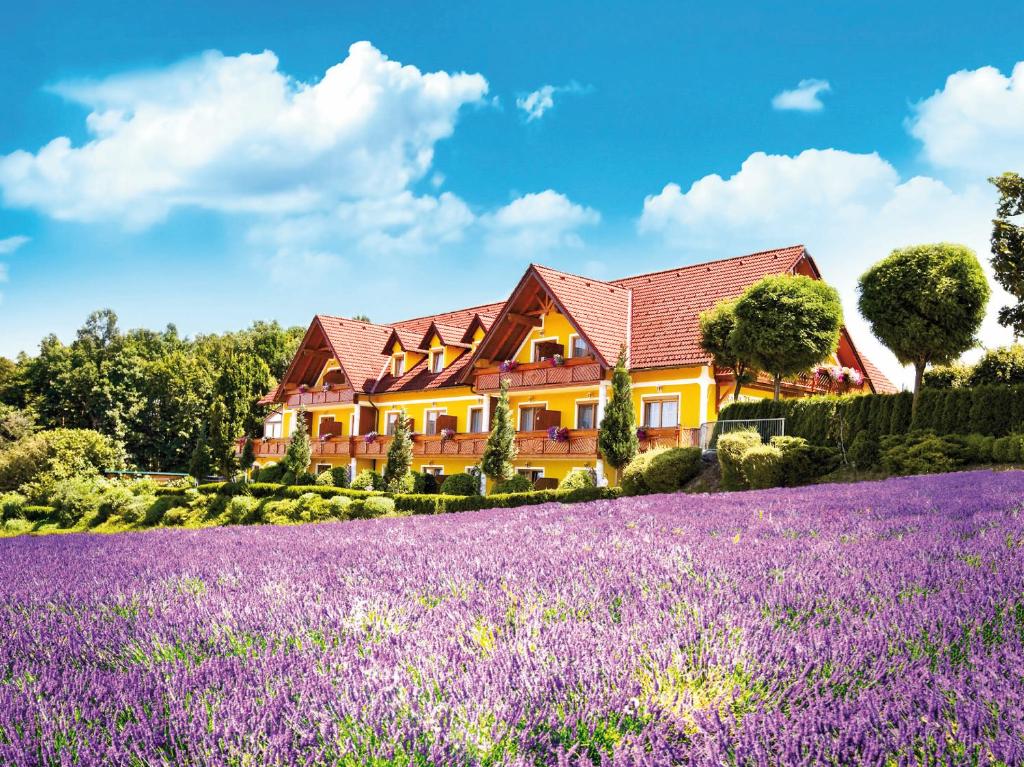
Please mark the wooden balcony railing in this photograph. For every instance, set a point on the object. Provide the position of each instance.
(668, 436)
(319, 397)
(539, 374)
(537, 444)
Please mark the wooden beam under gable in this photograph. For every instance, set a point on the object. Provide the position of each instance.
(524, 319)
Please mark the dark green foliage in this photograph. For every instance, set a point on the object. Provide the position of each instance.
(325, 478)
(368, 479)
(981, 448)
(671, 470)
(272, 473)
(500, 449)
(220, 439)
(299, 451)
(923, 452)
(617, 440)
(1004, 365)
(288, 478)
(731, 448)
(248, 457)
(801, 462)
(902, 412)
(399, 459)
(440, 504)
(304, 478)
(761, 466)
(864, 453)
(49, 456)
(951, 376)
(517, 483)
(340, 476)
(1007, 449)
(632, 476)
(424, 483)
(1008, 248)
(718, 338)
(460, 484)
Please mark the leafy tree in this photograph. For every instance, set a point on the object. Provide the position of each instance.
(14, 425)
(787, 324)
(48, 457)
(500, 450)
(201, 461)
(399, 454)
(220, 438)
(926, 303)
(299, 451)
(1004, 365)
(616, 437)
(718, 338)
(248, 457)
(1008, 248)
(951, 376)
(361, 318)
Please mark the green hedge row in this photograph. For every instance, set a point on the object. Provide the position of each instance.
(267, 490)
(440, 504)
(993, 411)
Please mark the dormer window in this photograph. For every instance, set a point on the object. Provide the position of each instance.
(398, 365)
(437, 361)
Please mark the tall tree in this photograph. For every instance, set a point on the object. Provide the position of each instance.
(1008, 248)
(787, 324)
(299, 451)
(199, 464)
(500, 450)
(616, 437)
(718, 338)
(399, 455)
(248, 457)
(925, 303)
(220, 438)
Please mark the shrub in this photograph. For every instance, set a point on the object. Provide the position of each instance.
(272, 473)
(633, 482)
(325, 479)
(762, 466)
(73, 499)
(241, 510)
(670, 470)
(578, 478)
(12, 506)
(338, 506)
(304, 478)
(340, 476)
(404, 484)
(159, 508)
(517, 483)
(378, 506)
(175, 517)
(864, 453)
(802, 462)
(367, 479)
(731, 448)
(1007, 449)
(281, 511)
(460, 484)
(424, 483)
(310, 507)
(50, 456)
(288, 478)
(923, 452)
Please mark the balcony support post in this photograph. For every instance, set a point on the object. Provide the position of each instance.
(706, 380)
(602, 401)
(487, 430)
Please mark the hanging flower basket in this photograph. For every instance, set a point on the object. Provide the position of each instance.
(508, 366)
(641, 434)
(370, 437)
(447, 433)
(558, 433)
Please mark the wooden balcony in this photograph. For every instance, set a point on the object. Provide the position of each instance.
(536, 375)
(338, 446)
(669, 436)
(537, 444)
(319, 397)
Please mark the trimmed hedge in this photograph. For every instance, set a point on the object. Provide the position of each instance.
(731, 448)
(441, 504)
(762, 467)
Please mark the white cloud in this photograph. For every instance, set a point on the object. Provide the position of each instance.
(803, 98)
(849, 209)
(537, 223)
(235, 134)
(536, 103)
(11, 244)
(975, 124)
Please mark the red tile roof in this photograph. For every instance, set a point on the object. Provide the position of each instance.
(877, 378)
(357, 347)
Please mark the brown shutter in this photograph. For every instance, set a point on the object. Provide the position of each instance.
(367, 420)
(545, 419)
(330, 427)
(447, 422)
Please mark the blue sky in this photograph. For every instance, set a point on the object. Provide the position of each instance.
(203, 164)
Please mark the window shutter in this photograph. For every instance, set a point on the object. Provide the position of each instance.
(447, 422)
(545, 419)
(367, 420)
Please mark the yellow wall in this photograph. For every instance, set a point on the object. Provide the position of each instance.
(454, 401)
(555, 327)
(681, 383)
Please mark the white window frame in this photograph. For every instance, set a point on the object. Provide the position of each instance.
(576, 412)
(436, 354)
(646, 398)
(387, 421)
(321, 467)
(528, 406)
(426, 419)
(535, 341)
(539, 469)
(572, 351)
(270, 422)
(398, 365)
(429, 468)
(469, 418)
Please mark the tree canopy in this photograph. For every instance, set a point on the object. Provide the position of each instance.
(617, 438)
(925, 303)
(1008, 248)
(787, 324)
(718, 338)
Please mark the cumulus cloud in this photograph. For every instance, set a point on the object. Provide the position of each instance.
(805, 97)
(535, 103)
(849, 209)
(10, 244)
(974, 124)
(235, 134)
(537, 223)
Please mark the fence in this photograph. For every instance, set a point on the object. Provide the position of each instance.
(766, 427)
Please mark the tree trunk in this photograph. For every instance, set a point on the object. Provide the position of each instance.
(737, 376)
(778, 388)
(918, 377)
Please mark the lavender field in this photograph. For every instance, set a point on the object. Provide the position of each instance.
(880, 623)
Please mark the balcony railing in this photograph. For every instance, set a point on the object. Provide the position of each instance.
(579, 443)
(319, 397)
(539, 374)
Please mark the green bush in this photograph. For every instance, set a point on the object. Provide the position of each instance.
(158, 509)
(12, 506)
(340, 475)
(175, 517)
(670, 470)
(271, 473)
(424, 483)
(517, 483)
(980, 448)
(1007, 449)
(325, 478)
(47, 457)
(35, 513)
(339, 506)
(802, 462)
(368, 508)
(633, 473)
(574, 480)
(864, 454)
(762, 466)
(440, 504)
(324, 492)
(460, 484)
(367, 479)
(923, 452)
(731, 448)
(288, 478)
(242, 510)
(304, 478)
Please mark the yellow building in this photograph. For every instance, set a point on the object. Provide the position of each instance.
(555, 340)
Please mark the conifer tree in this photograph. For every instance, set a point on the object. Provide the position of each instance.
(500, 450)
(617, 438)
(218, 438)
(300, 451)
(399, 455)
(199, 463)
(248, 455)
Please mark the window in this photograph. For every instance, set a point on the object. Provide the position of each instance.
(531, 474)
(398, 365)
(578, 347)
(273, 426)
(435, 471)
(528, 417)
(390, 422)
(431, 419)
(476, 420)
(586, 415)
(661, 412)
(436, 361)
(322, 467)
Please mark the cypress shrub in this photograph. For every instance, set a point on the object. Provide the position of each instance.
(901, 410)
(762, 467)
(671, 469)
(731, 448)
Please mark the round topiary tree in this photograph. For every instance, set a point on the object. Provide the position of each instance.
(616, 437)
(787, 324)
(925, 303)
(718, 338)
